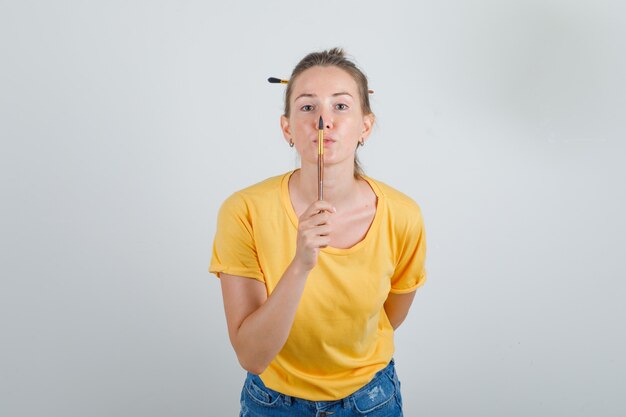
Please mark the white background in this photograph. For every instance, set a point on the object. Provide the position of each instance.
(125, 124)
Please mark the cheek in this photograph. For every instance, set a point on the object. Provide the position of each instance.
(354, 128)
(300, 133)
(301, 126)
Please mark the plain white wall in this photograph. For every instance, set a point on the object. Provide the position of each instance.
(124, 124)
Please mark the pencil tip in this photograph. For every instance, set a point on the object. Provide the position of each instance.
(321, 125)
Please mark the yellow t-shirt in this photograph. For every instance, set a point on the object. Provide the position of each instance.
(341, 335)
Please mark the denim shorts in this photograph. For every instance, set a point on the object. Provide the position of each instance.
(379, 398)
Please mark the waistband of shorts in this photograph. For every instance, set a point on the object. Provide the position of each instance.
(389, 369)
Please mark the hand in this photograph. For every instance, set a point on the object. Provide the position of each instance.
(313, 233)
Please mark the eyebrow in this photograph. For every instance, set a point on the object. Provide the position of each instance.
(342, 93)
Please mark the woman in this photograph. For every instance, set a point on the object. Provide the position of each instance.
(313, 290)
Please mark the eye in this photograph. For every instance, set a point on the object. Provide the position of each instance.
(341, 106)
(306, 107)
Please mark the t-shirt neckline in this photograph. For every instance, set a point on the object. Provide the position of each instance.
(373, 229)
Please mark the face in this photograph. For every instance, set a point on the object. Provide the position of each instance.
(332, 93)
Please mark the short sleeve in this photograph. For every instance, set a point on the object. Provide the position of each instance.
(410, 271)
(234, 249)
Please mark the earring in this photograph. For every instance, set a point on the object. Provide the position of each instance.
(362, 142)
(290, 142)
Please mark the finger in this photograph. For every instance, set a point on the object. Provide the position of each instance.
(323, 230)
(319, 206)
(321, 242)
(320, 218)
(315, 219)
(311, 235)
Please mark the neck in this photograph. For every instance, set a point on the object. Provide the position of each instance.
(340, 186)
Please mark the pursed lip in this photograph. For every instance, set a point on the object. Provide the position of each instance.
(326, 139)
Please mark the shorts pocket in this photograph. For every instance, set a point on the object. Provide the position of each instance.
(259, 394)
(375, 396)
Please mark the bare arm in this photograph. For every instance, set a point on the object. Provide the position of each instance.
(397, 307)
(258, 324)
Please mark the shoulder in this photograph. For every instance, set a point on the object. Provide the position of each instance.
(403, 214)
(403, 219)
(259, 194)
(396, 200)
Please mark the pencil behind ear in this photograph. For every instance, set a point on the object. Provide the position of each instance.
(275, 80)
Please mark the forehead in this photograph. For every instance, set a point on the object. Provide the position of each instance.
(324, 80)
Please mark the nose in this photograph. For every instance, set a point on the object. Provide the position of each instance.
(327, 118)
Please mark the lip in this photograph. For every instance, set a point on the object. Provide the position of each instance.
(327, 141)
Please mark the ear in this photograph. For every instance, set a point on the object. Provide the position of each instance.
(368, 124)
(286, 128)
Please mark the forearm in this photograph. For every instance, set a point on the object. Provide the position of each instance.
(397, 307)
(395, 317)
(263, 333)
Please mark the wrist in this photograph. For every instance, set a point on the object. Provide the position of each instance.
(299, 269)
